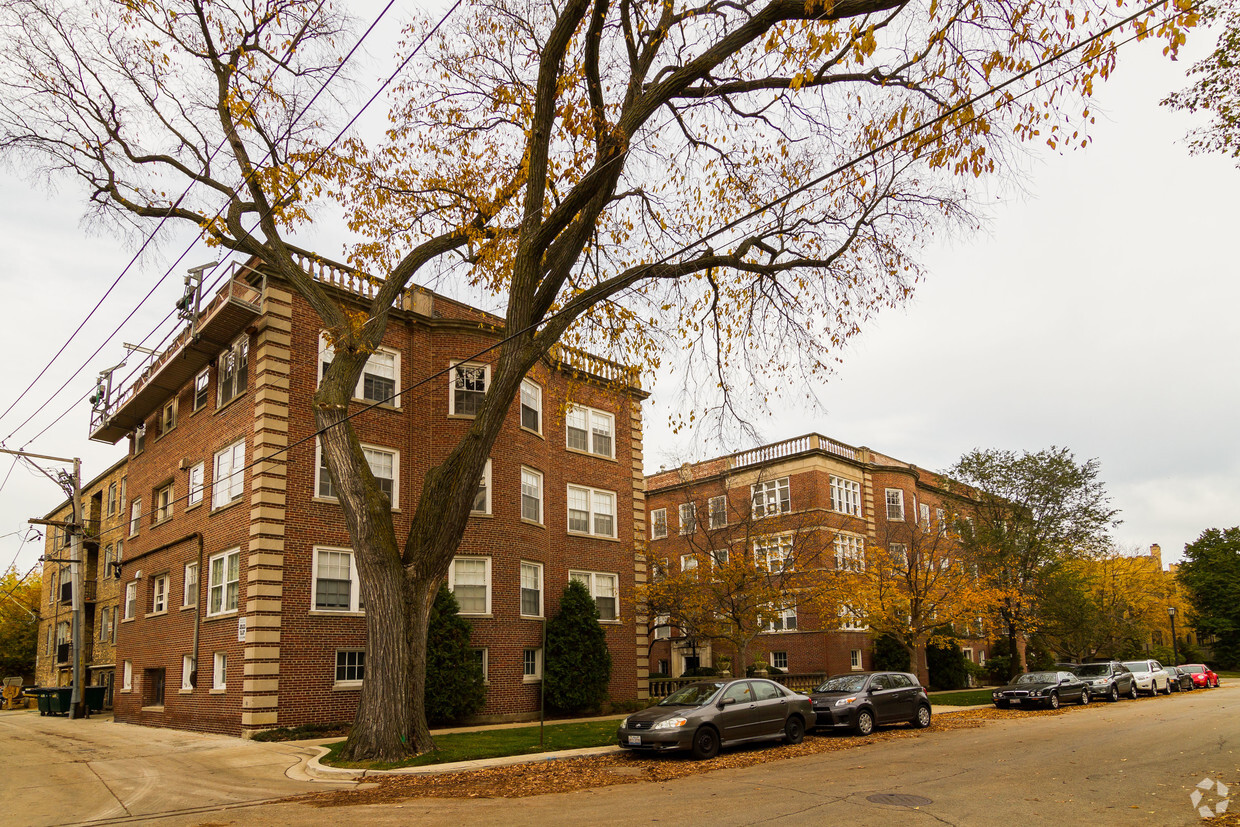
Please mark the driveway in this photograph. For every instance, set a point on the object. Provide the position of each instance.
(59, 771)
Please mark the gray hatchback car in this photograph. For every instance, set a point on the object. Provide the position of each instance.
(704, 716)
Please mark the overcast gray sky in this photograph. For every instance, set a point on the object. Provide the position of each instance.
(1094, 312)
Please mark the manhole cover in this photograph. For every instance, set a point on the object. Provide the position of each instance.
(899, 799)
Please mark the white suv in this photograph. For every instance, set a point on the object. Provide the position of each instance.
(1150, 676)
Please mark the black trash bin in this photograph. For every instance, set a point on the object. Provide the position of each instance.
(94, 698)
(61, 700)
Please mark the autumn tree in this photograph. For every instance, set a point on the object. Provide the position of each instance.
(19, 623)
(638, 177)
(1029, 512)
(1216, 89)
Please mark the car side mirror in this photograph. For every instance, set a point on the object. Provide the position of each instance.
(727, 702)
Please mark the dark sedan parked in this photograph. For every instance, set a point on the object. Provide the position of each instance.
(705, 716)
(1108, 679)
(862, 700)
(1042, 689)
(1181, 680)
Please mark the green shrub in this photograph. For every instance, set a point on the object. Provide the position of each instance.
(577, 667)
(946, 664)
(454, 684)
(890, 654)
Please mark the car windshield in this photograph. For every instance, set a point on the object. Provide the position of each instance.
(1093, 670)
(1137, 666)
(1038, 677)
(695, 694)
(1196, 670)
(842, 683)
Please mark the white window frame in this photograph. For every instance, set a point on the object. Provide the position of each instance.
(785, 552)
(197, 484)
(529, 397)
(845, 496)
(483, 660)
(202, 388)
(849, 552)
(940, 516)
(771, 497)
(484, 490)
(234, 381)
(321, 476)
(688, 524)
(139, 439)
(164, 498)
(189, 587)
(187, 672)
(219, 671)
(537, 570)
(127, 676)
(223, 584)
(536, 476)
(228, 475)
(454, 375)
(112, 499)
(160, 584)
(168, 416)
(898, 551)
(592, 579)
(658, 524)
(595, 497)
(849, 621)
(358, 665)
(717, 507)
(355, 585)
(784, 621)
(856, 662)
(536, 676)
(131, 599)
(895, 504)
(780, 660)
(486, 574)
(924, 514)
(105, 624)
(590, 417)
(135, 516)
(662, 628)
(372, 367)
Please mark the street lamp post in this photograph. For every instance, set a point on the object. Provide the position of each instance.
(1175, 652)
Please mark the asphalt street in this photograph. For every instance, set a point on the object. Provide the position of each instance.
(1131, 763)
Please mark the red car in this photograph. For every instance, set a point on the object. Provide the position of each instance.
(1201, 674)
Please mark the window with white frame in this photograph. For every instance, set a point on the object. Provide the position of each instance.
(189, 596)
(895, 504)
(127, 675)
(662, 629)
(774, 553)
(531, 589)
(139, 439)
(771, 497)
(380, 379)
(590, 430)
(899, 553)
(468, 386)
(719, 557)
(159, 593)
(228, 475)
(224, 585)
(658, 524)
(135, 515)
(717, 511)
(168, 417)
(531, 495)
(591, 511)
(850, 621)
(849, 552)
(480, 656)
(605, 590)
(231, 373)
(384, 464)
(108, 558)
(131, 600)
(111, 499)
(105, 624)
(115, 623)
(164, 498)
(219, 674)
(201, 382)
(197, 484)
(187, 672)
(531, 664)
(688, 562)
(350, 667)
(925, 516)
(780, 660)
(336, 586)
(531, 406)
(470, 582)
(482, 499)
(785, 620)
(688, 518)
(855, 657)
(845, 496)
(940, 517)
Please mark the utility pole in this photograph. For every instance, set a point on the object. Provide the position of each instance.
(72, 485)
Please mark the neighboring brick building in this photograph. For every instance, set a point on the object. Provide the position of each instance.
(103, 499)
(238, 565)
(831, 501)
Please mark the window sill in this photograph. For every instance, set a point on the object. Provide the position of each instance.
(126, 620)
(192, 506)
(616, 622)
(218, 691)
(582, 453)
(184, 691)
(379, 406)
(351, 686)
(484, 616)
(531, 431)
(220, 407)
(154, 708)
(336, 501)
(531, 617)
(660, 537)
(483, 514)
(462, 416)
(157, 614)
(189, 606)
(161, 521)
(220, 615)
(231, 504)
(527, 679)
(335, 613)
(535, 523)
(589, 536)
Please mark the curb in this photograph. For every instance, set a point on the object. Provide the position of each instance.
(315, 769)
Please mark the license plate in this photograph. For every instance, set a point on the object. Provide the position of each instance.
(1016, 701)
(635, 740)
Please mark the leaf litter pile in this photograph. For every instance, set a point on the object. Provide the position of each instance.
(568, 774)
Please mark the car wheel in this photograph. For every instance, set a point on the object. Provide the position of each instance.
(1132, 691)
(794, 730)
(1084, 697)
(1173, 686)
(705, 743)
(1167, 688)
(923, 717)
(1216, 683)
(1113, 695)
(1053, 700)
(865, 722)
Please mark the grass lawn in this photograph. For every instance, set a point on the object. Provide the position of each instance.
(966, 697)
(495, 743)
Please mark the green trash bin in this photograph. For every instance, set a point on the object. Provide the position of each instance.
(61, 700)
(44, 698)
(94, 698)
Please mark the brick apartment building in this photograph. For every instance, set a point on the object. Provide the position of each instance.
(811, 488)
(239, 602)
(103, 499)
